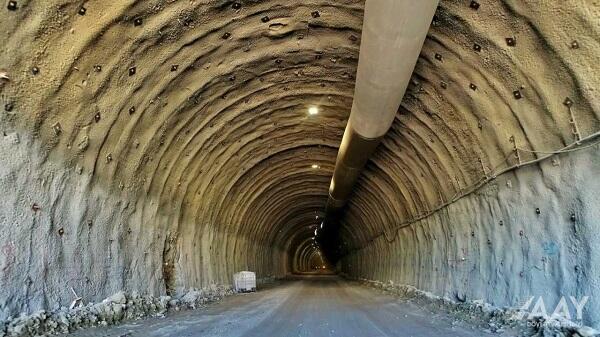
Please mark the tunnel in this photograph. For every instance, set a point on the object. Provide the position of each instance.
(152, 149)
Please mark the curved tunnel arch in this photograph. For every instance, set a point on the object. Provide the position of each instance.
(170, 142)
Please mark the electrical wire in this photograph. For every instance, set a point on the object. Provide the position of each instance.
(575, 146)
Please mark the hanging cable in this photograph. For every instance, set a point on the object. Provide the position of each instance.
(573, 147)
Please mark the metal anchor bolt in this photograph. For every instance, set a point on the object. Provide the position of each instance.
(517, 94)
(574, 45)
(57, 128)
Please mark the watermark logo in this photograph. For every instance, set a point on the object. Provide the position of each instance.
(562, 309)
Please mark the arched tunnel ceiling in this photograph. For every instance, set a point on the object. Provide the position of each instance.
(202, 105)
(196, 111)
(497, 85)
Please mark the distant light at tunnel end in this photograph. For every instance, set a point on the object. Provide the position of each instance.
(313, 110)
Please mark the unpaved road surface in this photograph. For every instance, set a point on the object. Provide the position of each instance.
(308, 306)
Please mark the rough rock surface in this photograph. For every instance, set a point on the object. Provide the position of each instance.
(486, 316)
(114, 309)
(493, 244)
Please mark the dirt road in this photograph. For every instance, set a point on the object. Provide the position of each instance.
(307, 306)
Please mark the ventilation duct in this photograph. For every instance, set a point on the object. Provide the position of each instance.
(393, 34)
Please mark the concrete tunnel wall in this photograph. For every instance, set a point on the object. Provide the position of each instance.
(157, 146)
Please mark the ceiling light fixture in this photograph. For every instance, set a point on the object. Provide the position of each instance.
(313, 110)
(315, 166)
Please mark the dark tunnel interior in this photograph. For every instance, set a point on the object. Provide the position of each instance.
(160, 146)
